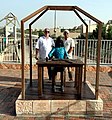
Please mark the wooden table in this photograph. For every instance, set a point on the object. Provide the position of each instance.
(78, 64)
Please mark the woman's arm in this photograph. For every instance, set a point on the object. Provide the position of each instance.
(50, 55)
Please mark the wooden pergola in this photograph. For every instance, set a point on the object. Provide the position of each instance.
(76, 10)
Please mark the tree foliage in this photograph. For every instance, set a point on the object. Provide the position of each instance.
(35, 32)
(40, 33)
(106, 32)
(109, 33)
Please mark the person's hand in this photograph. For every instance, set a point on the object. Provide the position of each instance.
(47, 59)
(36, 58)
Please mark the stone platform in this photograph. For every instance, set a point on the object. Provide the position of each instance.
(59, 104)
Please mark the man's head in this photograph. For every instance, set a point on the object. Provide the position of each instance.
(46, 32)
(66, 33)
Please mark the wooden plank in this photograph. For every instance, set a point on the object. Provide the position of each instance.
(40, 80)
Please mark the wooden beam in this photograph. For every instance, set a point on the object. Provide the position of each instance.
(38, 17)
(87, 14)
(34, 13)
(98, 60)
(22, 59)
(62, 8)
(86, 52)
(86, 42)
(30, 42)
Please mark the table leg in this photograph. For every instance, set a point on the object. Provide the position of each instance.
(40, 80)
(64, 77)
(76, 77)
(62, 81)
(43, 78)
(79, 82)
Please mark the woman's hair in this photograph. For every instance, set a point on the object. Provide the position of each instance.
(59, 42)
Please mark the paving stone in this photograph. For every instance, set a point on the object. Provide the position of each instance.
(9, 94)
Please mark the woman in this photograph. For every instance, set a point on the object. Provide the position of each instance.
(58, 52)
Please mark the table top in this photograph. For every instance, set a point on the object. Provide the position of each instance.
(61, 62)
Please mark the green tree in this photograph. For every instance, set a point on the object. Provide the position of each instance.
(27, 31)
(35, 32)
(18, 30)
(109, 32)
(95, 33)
(106, 34)
(103, 34)
(104, 31)
(40, 33)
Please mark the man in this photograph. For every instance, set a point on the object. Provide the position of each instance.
(69, 46)
(43, 47)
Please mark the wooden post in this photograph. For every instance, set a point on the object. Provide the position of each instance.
(30, 41)
(98, 61)
(85, 59)
(80, 68)
(22, 58)
(86, 52)
(40, 80)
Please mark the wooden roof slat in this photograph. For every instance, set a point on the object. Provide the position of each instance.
(87, 14)
(62, 8)
(34, 13)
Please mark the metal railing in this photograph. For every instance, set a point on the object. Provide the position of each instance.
(105, 55)
(11, 52)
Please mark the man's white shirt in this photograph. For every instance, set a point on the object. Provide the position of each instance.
(67, 44)
(44, 45)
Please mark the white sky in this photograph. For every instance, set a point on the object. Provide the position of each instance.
(101, 9)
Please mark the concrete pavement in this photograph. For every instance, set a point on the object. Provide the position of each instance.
(10, 87)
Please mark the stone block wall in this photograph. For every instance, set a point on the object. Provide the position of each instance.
(58, 107)
(63, 107)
